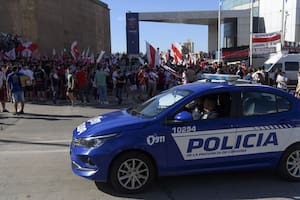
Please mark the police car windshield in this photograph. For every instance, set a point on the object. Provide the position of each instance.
(156, 105)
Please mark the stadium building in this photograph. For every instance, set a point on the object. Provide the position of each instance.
(55, 24)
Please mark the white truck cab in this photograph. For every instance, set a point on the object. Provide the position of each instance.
(288, 63)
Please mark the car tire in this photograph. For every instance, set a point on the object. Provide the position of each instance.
(289, 166)
(131, 172)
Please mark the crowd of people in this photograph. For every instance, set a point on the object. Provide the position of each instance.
(80, 83)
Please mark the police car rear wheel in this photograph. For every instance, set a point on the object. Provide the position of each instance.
(131, 172)
(290, 164)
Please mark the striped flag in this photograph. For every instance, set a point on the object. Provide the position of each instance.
(176, 52)
(74, 50)
(266, 39)
(151, 54)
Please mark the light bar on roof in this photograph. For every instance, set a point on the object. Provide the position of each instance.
(224, 77)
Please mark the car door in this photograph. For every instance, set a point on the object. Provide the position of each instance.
(262, 129)
(201, 145)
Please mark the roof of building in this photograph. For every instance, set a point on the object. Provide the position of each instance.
(100, 3)
(192, 17)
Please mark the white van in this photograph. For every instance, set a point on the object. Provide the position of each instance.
(288, 63)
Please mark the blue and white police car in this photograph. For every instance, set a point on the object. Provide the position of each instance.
(252, 127)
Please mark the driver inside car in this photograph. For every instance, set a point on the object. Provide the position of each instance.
(209, 108)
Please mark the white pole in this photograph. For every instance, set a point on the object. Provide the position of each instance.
(219, 32)
(251, 34)
(282, 25)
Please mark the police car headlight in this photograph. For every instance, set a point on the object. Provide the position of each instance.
(91, 142)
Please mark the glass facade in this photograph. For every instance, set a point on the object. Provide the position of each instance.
(230, 25)
(241, 4)
(231, 4)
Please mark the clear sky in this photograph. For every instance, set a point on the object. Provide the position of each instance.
(160, 35)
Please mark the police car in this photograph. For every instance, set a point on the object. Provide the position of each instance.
(254, 127)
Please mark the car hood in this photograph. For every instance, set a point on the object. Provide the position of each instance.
(113, 122)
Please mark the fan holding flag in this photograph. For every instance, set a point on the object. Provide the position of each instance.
(74, 50)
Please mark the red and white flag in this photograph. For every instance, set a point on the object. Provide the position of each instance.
(74, 50)
(266, 39)
(265, 43)
(27, 48)
(151, 54)
(176, 52)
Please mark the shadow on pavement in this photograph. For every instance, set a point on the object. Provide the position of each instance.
(225, 186)
(49, 117)
(34, 143)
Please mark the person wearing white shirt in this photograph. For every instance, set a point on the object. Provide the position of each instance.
(281, 80)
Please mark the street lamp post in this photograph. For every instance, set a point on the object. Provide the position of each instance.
(282, 24)
(251, 35)
(219, 32)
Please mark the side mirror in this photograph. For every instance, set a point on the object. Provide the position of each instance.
(183, 116)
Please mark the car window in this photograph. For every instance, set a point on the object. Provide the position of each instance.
(156, 105)
(276, 67)
(210, 106)
(258, 103)
(291, 66)
(283, 104)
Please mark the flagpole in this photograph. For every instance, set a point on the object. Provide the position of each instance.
(251, 35)
(219, 32)
(282, 25)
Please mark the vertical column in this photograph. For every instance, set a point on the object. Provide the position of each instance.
(132, 33)
(28, 10)
(213, 37)
(243, 30)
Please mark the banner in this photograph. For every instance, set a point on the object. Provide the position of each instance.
(265, 43)
(266, 39)
(132, 33)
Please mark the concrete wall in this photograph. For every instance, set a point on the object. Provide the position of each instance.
(243, 31)
(57, 23)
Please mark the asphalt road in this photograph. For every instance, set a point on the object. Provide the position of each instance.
(35, 165)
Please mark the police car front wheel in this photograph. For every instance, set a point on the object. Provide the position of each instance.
(131, 172)
(290, 163)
